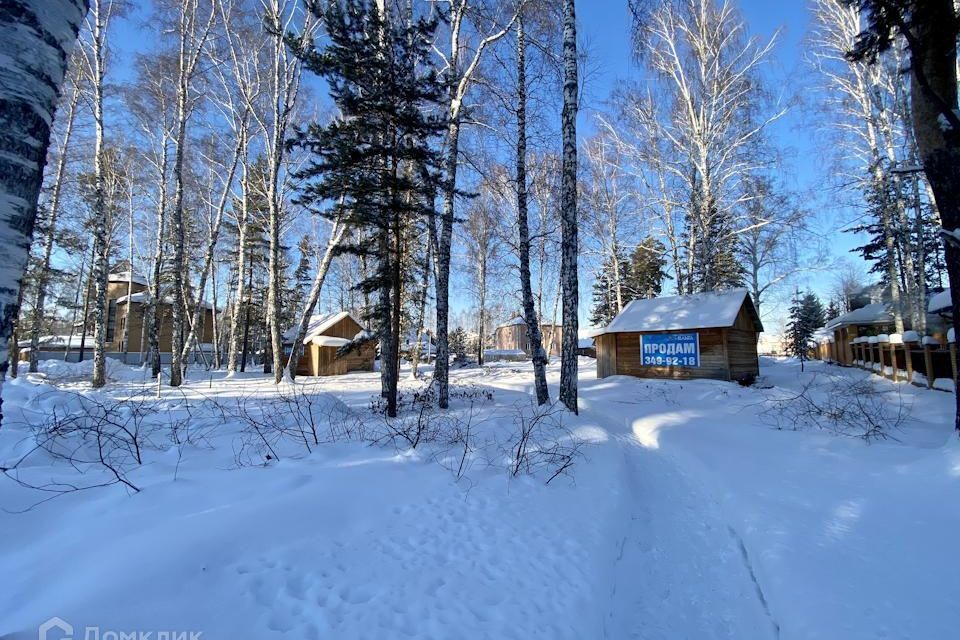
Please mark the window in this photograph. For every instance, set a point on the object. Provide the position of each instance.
(111, 319)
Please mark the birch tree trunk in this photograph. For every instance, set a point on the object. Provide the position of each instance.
(530, 315)
(568, 211)
(336, 237)
(126, 325)
(43, 279)
(151, 317)
(240, 304)
(460, 77)
(198, 304)
(38, 36)
(99, 22)
(192, 40)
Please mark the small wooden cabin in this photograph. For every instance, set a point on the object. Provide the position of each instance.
(326, 335)
(705, 335)
(512, 336)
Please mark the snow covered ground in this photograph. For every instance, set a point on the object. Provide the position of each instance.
(697, 510)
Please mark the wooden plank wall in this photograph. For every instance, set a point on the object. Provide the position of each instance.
(742, 355)
(323, 361)
(713, 357)
(514, 336)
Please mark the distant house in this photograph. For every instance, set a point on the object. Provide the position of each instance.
(835, 339)
(587, 347)
(118, 319)
(511, 337)
(336, 343)
(704, 335)
(138, 301)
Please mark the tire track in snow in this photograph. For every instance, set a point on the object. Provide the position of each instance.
(680, 571)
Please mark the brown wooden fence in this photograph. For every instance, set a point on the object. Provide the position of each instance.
(920, 362)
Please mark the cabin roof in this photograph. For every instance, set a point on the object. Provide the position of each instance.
(518, 320)
(124, 276)
(939, 302)
(876, 313)
(320, 323)
(709, 310)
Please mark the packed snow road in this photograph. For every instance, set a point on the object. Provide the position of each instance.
(688, 516)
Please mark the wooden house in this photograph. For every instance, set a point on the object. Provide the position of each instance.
(512, 337)
(128, 312)
(705, 335)
(127, 298)
(324, 348)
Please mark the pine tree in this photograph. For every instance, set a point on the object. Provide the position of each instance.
(646, 270)
(458, 344)
(604, 307)
(375, 160)
(806, 316)
(832, 311)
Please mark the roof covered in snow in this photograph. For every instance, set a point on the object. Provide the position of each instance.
(939, 302)
(143, 297)
(876, 313)
(124, 276)
(710, 310)
(57, 342)
(518, 320)
(319, 324)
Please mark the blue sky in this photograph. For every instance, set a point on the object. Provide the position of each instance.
(604, 25)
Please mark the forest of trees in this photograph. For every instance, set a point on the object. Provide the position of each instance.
(419, 165)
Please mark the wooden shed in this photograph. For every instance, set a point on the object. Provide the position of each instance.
(327, 334)
(705, 335)
(512, 336)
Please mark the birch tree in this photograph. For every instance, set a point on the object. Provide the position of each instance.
(53, 207)
(38, 39)
(568, 212)
(194, 23)
(94, 53)
(461, 60)
(281, 18)
(531, 317)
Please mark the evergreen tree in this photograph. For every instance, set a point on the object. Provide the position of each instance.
(375, 160)
(806, 316)
(646, 270)
(715, 263)
(604, 307)
(832, 311)
(458, 344)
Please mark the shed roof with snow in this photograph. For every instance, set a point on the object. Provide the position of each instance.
(703, 335)
(940, 302)
(713, 309)
(876, 313)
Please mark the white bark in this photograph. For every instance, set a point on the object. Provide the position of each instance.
(37, 41)
(568, 212)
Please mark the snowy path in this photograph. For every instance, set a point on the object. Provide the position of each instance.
(688, 517)
(681, 571)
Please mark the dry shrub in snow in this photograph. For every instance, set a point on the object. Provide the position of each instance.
(846, 406)
(420, 420)
(89, 433)
(291, 424)
(541, 444)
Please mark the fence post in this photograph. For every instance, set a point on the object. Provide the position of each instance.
(883, 344)
(951, 338)
(928, 342)
(896, 341)
(910, 338)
